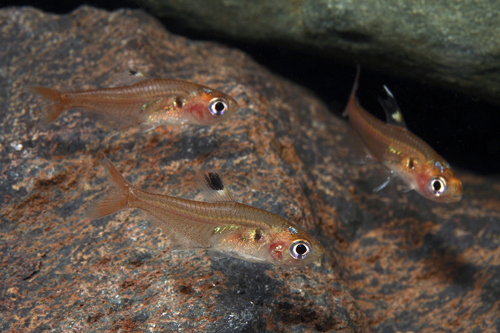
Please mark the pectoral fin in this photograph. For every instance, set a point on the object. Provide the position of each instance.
(384, 184)
(129, 77)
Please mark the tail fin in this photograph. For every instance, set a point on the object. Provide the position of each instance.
(51, 111)
(116, 199)
(352, 97)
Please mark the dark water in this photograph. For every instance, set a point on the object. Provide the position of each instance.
(463, 129)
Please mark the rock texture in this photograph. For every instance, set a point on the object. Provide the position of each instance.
(451, 43)
(394, 261)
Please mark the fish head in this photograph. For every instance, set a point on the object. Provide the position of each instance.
(293, 247)
(210, 106)
(439, 183)
(287, 245)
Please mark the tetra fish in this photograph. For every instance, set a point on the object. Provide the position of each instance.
(148, 102)
(403, 153)
(221, 225)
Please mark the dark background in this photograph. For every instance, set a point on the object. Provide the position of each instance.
(463, 129)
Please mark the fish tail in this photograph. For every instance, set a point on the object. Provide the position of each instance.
(51, 111)
(117, 199)
(352, 97)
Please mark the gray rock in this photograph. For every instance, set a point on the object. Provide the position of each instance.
(452, 43)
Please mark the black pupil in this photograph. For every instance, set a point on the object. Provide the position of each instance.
(301, 249)
(219, 107)
(436, 185)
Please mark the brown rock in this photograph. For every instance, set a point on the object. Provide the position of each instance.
(61, 271)
(411, 264)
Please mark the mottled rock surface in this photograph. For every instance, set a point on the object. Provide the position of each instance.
(394, 261)
(452, 43)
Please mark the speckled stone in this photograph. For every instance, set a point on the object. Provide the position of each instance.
(62, 272)
(394, 261)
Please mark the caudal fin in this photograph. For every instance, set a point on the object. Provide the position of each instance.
(116, 199)
(51, 111)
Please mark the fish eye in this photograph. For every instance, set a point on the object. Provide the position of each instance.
(300, 249)
(217, 107)
(437, 185)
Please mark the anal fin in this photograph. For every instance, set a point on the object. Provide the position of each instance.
(359, 153)
(179, 242)
(183, 233)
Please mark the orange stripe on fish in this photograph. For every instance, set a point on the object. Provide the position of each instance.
(403, 153)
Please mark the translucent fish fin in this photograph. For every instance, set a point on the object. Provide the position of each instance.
(148, 127)
(383, 185)
(218, 254)
(125, 123)
(118, 125)
(213, 188)
(129, 77)
(113, 134)
(143, 128)
(386, 182)
(129, 116)
(353, 102)
(52, 111)
(392, 111)
(140, 75)
(116, 199)
(138, 116)
(406, 188)
(179, 242)
(358, 152)
(214, 254)
(183, 233)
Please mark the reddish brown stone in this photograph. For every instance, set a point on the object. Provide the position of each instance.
(61, 271)
(409, 264)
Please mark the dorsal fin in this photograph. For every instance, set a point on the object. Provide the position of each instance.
(213, 188)
(138, 74)
(129, 77)
(392, 111)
